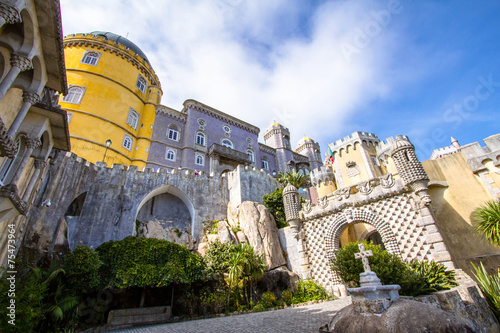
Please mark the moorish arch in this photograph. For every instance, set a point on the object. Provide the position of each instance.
(177, 200)
(351, 216)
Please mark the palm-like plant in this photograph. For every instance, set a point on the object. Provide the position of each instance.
(295, 178)
(487, 219)
(490, 286)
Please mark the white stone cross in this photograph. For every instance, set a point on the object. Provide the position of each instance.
(363, 255)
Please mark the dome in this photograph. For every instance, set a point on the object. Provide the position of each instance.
(289, 188)
(123, 41)
(304, 140)
(401, 143)
(277, 125)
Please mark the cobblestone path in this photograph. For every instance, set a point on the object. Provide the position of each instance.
(301, 319)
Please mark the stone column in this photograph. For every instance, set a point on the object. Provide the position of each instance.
(31, 144)
(39, 166)
(29, 98)
(19, 64)
(8, 15)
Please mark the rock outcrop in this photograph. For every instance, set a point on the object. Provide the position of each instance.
(153, 229)
(253, 223)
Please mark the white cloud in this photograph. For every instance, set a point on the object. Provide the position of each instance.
(204, 50)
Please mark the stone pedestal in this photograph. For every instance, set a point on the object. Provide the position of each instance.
(373, 297)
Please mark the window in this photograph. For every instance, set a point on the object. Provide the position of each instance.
(127, 142)
(173, 133)
(227, 143)
(75, 94)
(133, 118)
(200, 138)
(286, 141)
(170, 155)
(375, 161)
(265, 164)
(91, 58)
(141, 83)
(251, 155)
(200, 160)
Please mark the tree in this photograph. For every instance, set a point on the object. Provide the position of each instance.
(274, 203)
(487, 219)
(295, 178)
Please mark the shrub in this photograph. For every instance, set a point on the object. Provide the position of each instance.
(487, 219)
(268, 299)
(82, 269)
(274, 203)
(435, 275)
(259, 308)
(286, 297)
(308, 290)
(217, 256)
(490, 286)
(389, 268)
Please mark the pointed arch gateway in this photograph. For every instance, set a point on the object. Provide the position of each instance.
(351, 216)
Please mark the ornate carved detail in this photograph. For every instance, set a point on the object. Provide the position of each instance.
(33, 143)
(342, 193)
(7, 146)
(350, 164)
(323, 202)
(20, 62)
(349, 216)
(40, 164)
(365, 188)
(10, 191)
(387, 181)
(307, 207)
(9, 14)
(30, 97)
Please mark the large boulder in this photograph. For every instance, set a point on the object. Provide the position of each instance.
(259, 228)
(153, 229)
(403, 316)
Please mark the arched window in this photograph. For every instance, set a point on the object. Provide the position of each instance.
(127, 142)
(74, 96)
(170, 155)
(91, 58)
(227, 143)
(141, 83)
(133, 118)
(251, 155)
(200, 138)
(200, 160)
(265, 164)
(173, 132)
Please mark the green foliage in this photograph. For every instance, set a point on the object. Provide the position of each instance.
(259, 307)
(82, 269)
(390, 268)
(308, 290)
(435, 275)
(267, 299)
(29, 293)
(490, 286)
(217, 256)
(147, 262)
(274, 203)
(286, 297)
(487, 219)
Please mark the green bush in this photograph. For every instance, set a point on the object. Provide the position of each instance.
(267, 299)
(259, 307)
(389, 268)
(82, 269)
(490, 286)
(435, 275)
(286, 297)
(308, 290)
(274, 203)
(217, 256)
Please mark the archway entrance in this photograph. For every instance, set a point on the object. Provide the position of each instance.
(360, 232)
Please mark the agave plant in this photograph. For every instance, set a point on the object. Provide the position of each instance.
(435, 274)
(490, 286)
(487, 219)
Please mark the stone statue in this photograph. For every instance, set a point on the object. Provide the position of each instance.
(363, 255)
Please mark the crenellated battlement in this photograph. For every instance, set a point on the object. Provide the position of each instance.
(322, 174)
(351, 140)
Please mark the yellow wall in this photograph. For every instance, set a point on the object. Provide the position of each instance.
(355, 154)
(453, 203)
(103, 111)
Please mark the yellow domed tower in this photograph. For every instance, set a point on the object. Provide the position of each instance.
(112, 96)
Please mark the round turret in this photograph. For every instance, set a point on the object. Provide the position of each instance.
(291, 202)
(407, 163)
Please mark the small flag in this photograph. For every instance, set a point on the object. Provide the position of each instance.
(330, 153)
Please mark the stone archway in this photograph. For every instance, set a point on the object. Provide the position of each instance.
(179, 204)
(350, 216)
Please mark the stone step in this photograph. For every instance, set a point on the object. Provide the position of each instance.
(138, 316)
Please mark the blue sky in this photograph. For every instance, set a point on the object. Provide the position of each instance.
(427, 69)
